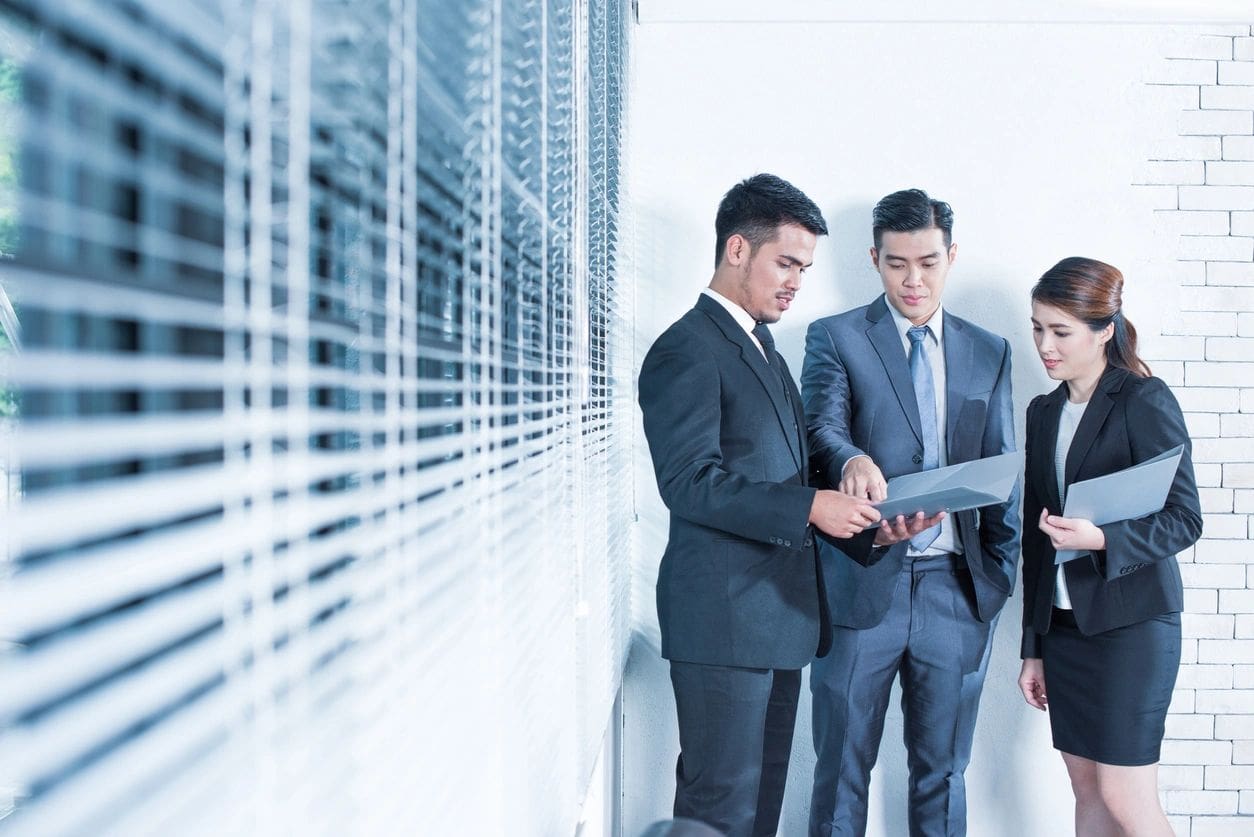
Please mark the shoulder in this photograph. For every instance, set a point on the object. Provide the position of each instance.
(1036, 404)
(983, 339)
(1148, 391)
(690, 334)
(845, 320)
(694, 324)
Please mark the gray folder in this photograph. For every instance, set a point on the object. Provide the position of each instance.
(967, 485)
(1124, 495)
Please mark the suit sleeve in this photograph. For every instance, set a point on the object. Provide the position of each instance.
(1030, 646)
(1155, 424)
(999, 525)
(826, 395)
(681, 397)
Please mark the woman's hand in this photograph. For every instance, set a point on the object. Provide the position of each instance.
(1071, 532)
(1032, 682)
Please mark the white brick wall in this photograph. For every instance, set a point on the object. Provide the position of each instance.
(1207, 774)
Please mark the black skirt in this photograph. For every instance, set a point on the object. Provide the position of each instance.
(1108, 693)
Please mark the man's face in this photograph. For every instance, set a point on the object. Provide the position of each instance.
(768, 278)
(913, 267)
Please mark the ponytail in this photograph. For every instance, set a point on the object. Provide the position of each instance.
(1121, 348)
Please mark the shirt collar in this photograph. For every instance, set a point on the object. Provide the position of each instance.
(740, 315)
(936, 323)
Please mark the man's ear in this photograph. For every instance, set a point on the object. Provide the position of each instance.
(875, 258)
(953, 252)
(737, 250)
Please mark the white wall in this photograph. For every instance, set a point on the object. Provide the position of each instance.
(1035, 134)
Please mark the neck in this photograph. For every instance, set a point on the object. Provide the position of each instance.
(1080, 389)
(726, 286)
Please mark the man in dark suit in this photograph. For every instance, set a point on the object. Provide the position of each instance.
(739, 595)
(896, 387)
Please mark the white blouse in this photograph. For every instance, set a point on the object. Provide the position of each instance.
(1068, 421)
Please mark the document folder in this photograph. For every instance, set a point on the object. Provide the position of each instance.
(967, 485)
(1124, 495)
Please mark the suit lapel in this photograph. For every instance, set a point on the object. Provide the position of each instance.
(959, 350)
(886, 340)
(1046, 431)
(770, 379)
(1100, 405)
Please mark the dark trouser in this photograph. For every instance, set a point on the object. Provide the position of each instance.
(735, 737)
(932, 636)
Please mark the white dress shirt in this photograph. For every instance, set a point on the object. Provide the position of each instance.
(740, 315)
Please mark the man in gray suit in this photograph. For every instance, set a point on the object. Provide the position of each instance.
(896, 387)
(739, 596)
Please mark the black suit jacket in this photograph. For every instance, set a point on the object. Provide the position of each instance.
(1129, 419)
(738, 584)
(859, 399)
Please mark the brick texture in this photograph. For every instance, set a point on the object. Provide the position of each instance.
(1207, 773)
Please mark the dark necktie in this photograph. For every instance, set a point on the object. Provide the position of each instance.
(925, 395)
(763, 334)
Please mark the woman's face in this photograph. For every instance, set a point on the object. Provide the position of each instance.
(1068, 348)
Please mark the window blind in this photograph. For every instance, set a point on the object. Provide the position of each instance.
(320, 474)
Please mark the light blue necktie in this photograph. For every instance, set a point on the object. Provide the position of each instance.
(925, 395)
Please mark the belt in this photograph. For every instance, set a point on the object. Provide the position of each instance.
(944, 561)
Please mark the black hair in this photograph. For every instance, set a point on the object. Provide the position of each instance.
(911, 210)
(757, 207)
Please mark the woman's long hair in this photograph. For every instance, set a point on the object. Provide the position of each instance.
(1092, 291)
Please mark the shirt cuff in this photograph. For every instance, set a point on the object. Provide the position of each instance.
(845, 467)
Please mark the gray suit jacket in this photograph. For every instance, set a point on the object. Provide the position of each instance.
(859, 399)
(738, 584)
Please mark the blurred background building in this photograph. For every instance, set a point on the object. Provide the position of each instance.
(321, 312)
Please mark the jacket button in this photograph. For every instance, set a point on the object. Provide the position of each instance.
(787, 543)
(916, 459)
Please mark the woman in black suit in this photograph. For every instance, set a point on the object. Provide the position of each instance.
(1102, 630)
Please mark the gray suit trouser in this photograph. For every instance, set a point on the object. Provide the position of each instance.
(932, 636)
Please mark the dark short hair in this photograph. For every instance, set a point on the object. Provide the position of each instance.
(911, 210)
(757, 207)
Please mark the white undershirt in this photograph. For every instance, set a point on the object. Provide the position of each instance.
(742, 317)
(1068, 421)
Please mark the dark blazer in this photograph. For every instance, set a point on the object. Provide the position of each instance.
(859, 399)
(738, 584)
(1129, 419)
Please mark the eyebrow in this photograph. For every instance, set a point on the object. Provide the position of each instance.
(1052, 325)
(795, 260)
(894, 257)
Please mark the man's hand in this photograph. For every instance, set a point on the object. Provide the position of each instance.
(840, 515)
(1071, 532)
(862, 478)
(903, 528)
